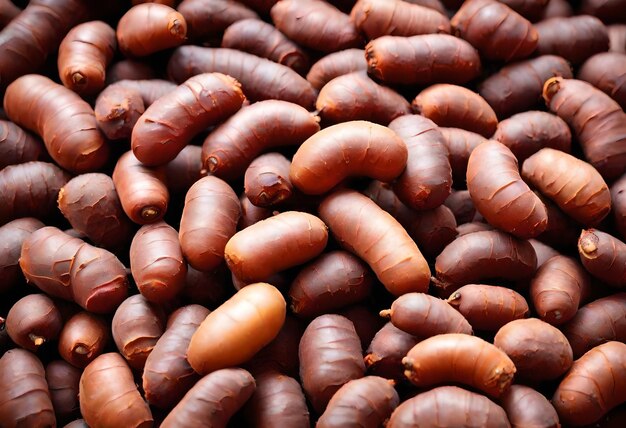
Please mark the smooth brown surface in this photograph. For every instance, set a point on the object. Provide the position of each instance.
(91, 204)
(355, 96)
(526, 407)
(596, 120)
(597, 322)
(607, 72)
(607, 11)
(148, 28)
(366, 402)
(449, 406)
(141, 189)
(332, 281)
(213, 400)
(209, 289)
(543, 251)
(478, 256)
(184, 170)
(574, 38)
(132, 69)
(231, 147)
(262, 39)
(157, 262)
(277, 401)
(65, 122)
(431, 230)
(595, 384)
(168, 125)
(26, 398)
(618, 202)
(8, 11)
(540, 351)
(517, 87)
(109, 397)
(207, 19)
(455, 106)
(575, 186)
(330, 356)
(376, 18)
(281, 354)
(528, 132)
(617, 37)
(423, 316)
(459, 358)
(533, 10)
(260, 78)
(33, 320)
(488, 307)
(500, 194)
(461, 144)
(334, 65)
(315, 24)
(208, 221)
(136, 327)
(562, 231)
(366, 230)
(63, 380)
(558, 288)
(349, 149)
(83, 338)
(167, 375)
(275, 244)
(497, 31)
(84, 55)
(238, 329)
(250, 213)
(426, 181)
(366, 322)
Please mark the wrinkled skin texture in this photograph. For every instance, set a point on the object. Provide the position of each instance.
(262, 39)
(449, 406)
(84, 55)
(598, 122)
(500, 194)
(597, 322)
(65, 122)
(497, 31)
(425, 59)
(595, 384)
(604, 256)
(366, 402)
(213, 400)
(574, 185)
(363, 228)
(26, 398)
(166, 127)
(260, 78)
(109, 397)
(330, 356)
